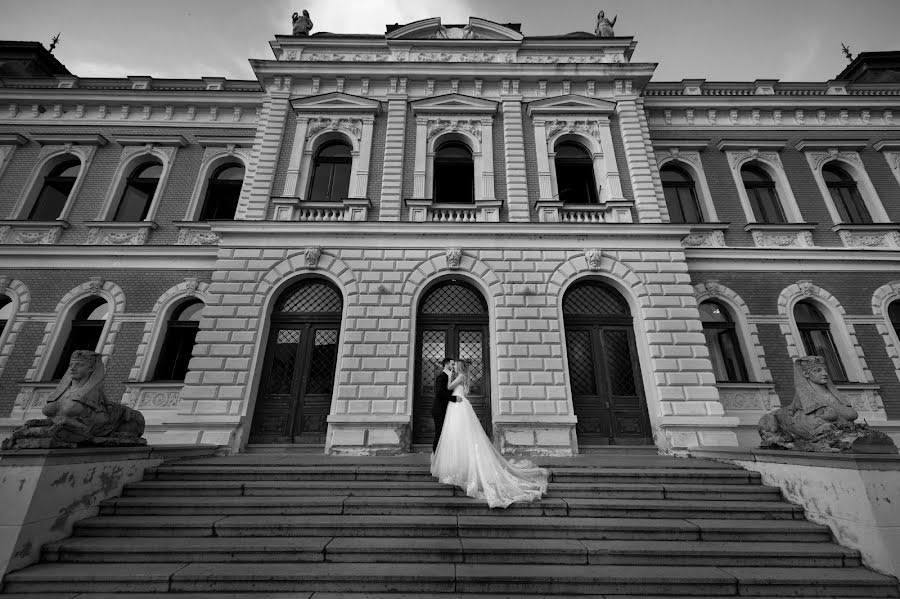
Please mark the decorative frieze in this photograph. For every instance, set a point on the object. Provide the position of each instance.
(780, 238)
(352, 126)
(115, 233)
(714, 238)
(763, 116)
(601, 56)
(868, 237)
(437, 126)
(152, 396)
(190, 233)
(31, 232)
(588, 127)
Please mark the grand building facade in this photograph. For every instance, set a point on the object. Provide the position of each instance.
(287, 260)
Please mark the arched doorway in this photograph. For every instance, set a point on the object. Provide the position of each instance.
(604, 371)
(298, 372)
(452, 321)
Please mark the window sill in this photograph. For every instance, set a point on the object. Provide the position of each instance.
(119, 233)
(865, 399)
(782, 235)
(31, 232)
(869, 235)
(705, 235)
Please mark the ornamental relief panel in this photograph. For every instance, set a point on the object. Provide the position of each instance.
(590, 128)
(736, 158)
(870, 239)
(782, 239)
(692, 158)
(820, 158)
(101, 236)
(29, 235)
(506, 57)
(704, 239)
(352, 126)
(437, 126)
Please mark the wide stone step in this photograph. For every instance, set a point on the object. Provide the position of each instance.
(447, 550)
(446, 578)
(549, 527)
(379, 473)
(353, 488)
(448, 506)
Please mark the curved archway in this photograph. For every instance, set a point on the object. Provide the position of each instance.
(451, 321)
(294, 396)
(604, 370)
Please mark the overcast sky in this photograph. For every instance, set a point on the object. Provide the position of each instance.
(721, 40)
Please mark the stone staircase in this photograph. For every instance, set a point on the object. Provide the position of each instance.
(296, 525)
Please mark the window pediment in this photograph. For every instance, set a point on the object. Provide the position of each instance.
(335, 102)
(570, 104)
(453, 104)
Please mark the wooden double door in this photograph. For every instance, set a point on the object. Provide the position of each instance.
(452, 322)
(297, 382)
(604, 370)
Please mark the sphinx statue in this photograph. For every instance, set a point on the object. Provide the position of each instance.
(79, 414)
(820, 418)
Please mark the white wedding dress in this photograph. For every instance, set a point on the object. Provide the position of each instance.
(465, 457)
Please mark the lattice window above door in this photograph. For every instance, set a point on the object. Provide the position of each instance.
(453, 299)
(594, 298)
(310, 296)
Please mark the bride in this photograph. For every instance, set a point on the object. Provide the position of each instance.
(465, 456)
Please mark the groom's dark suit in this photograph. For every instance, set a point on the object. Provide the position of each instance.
(443, 396)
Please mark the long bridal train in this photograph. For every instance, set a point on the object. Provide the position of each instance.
(465, 457)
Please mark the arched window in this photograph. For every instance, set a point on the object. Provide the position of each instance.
(454, 174)
(893, 316)
(681, 196)
(55, 191)
(721, 339)
(222, 192)
(140, 188)
(178, 343)
(815, 331)
(86, 328)
(575, 174)
(6, 307)
(762, 195)
(331, 173)
(845, 194)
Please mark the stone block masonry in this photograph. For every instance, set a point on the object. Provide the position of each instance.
(373, 398)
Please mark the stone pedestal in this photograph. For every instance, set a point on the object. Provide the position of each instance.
(43, 492)
(856, 495)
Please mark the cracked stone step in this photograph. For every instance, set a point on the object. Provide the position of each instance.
(107, 578)
(203, 488)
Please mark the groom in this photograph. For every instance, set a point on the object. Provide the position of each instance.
(442, 397)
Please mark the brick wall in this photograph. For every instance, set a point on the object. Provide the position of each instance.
(854, 291)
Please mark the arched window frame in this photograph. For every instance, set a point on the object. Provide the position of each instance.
(132, 158)
(215, 156)
(473, 145)
(690, 162)
(883, 297)
(155, 330)
(596, 170)
(20, 301)
(593, 148)
(50, 157)
(317, 160)
(8, 143)
(56, 332)
(842, 332)
(850, 163)
(770, 163)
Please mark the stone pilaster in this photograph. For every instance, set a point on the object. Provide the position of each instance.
(257, 188)
(514, 146)
(392, 170)
(646, 201)
(654, 165)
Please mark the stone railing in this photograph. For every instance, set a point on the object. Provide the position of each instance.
(427, 211)
(295, 209)
(554, 211)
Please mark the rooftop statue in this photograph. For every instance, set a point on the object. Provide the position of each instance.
(820, 418)
(78, 413)
(605, 26)
(302, 24)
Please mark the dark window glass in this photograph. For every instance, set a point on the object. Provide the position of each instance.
(55, 191)
(87, 326)
(815, 332)
(181, 332)
(575, 174)
(681, 195)
(845, 194)
(894, 316)
(762, 195)
(223, 192)
(331, 173)
(5, 312)
(721, 339)
(454, 174)
(138, 194)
